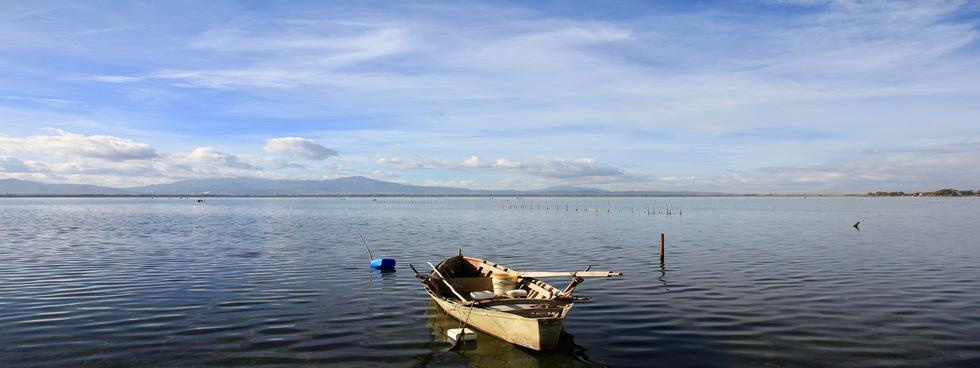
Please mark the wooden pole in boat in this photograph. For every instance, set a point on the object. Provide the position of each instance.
(451, 288)
(661, 248)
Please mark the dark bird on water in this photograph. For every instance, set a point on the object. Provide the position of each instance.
(856, 225)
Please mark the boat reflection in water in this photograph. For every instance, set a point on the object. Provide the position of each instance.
(489, 351)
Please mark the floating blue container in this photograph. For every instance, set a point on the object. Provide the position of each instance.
(383, 263)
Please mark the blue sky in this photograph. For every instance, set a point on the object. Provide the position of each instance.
(774, 96)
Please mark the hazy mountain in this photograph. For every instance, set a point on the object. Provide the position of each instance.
(349, 185)
(251, 186)
(669, 193)
(24, 187)
(569, 190)
(231, 186)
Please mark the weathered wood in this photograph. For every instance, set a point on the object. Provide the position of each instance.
(571, 286)
(538, 333)
(532, 311)
(576, 279)
(661, 248)
(451, 288)
(544, 274)
(520, 301)
(468, 284)
(539, 290)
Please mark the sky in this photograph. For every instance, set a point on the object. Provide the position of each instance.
(733, 96)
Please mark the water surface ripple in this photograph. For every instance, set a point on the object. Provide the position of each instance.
(283, 282)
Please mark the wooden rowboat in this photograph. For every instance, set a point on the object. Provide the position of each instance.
(533, 321)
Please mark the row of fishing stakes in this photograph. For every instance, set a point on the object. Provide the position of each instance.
(396, 201)
(549, 206)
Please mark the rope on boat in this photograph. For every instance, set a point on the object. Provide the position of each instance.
(462, 325)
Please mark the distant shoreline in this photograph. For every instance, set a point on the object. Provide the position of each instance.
(359, 186)
(508, 196)
(374, 196)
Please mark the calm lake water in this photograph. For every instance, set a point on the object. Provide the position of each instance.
(285, 282)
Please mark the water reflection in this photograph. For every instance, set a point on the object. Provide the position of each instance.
(663, 276)
(386, 275)
(488, 351)
(278, 282)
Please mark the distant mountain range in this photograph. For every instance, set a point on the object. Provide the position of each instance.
(355, 185)
(24, 187)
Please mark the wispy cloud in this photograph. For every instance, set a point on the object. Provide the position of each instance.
(561, 168)
(922, 168)
(298, 148)
(63, 143)
(69, 156)
(773, 96)
(914, 168)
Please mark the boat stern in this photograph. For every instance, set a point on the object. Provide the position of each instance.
(549, 332)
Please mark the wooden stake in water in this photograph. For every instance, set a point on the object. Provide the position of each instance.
(661, 248)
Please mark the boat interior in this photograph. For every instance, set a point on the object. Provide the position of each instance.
(468, 275)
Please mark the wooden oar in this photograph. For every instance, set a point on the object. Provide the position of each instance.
(542, 274)
(576, 279)
(451, 288)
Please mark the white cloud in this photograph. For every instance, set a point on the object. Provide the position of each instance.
(658, 95)
(507, 164)
(923, 168)
(426, 163)
(66, 165)
(461, 183)
(305, 54)
(555, 62)
(358, 44)
(298, 148)
(473, 162)
(915, 168)
(479, 185)
(209, 157)
(675, 178)
(557, 168)
(561, 168)
(398, 162)
(117, 78)
(70, 144)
